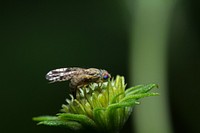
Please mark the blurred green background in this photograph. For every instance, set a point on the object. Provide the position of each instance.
(37, 36)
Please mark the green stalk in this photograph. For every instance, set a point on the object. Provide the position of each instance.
(148, 61)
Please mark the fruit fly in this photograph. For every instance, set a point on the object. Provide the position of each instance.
(78, 77)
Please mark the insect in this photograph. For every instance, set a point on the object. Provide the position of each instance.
(78, 77)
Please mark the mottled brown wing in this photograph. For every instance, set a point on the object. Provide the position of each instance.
(63, 74)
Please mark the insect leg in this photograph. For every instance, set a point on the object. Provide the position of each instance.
(80, 81)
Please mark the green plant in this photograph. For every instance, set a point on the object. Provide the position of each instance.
(99, 107)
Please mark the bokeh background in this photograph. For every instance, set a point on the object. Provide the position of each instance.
(145, 41)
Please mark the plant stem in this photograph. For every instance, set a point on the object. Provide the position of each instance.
(148, 61)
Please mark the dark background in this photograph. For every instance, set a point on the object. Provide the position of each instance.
(37, 36)
(184, 67)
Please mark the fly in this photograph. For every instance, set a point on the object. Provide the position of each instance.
(78, 77)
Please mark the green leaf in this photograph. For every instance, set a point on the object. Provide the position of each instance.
(82, 119)
(114, 99)
(140, 89)
(67, 124)
(100, 117)
(45, 118)
(56, 121)
(138, 96)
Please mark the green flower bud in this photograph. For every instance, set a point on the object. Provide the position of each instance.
(101, 107)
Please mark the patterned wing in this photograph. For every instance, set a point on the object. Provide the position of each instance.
(63, 74)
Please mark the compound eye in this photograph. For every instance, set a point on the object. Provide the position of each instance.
(105, 76)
